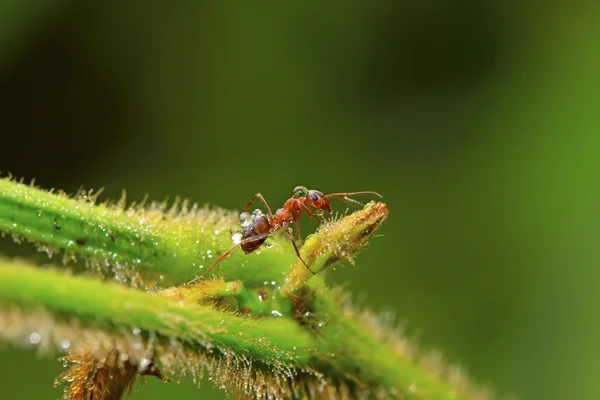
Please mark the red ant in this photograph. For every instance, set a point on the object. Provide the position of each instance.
(257, 227)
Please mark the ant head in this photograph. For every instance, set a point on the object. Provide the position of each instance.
(317, 200)
(300, 192)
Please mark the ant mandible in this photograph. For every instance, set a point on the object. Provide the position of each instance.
(257, 227)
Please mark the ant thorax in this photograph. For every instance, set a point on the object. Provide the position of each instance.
(282, 215)
(290, 212)
(250, 225)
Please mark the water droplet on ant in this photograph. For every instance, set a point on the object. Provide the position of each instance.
(245, 219)
(236, 238)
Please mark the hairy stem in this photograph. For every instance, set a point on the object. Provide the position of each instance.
(113, 307)
(267, 327)
(155, 244)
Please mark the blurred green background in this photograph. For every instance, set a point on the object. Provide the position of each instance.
(478, 122)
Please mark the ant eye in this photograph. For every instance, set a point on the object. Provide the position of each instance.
(315, 195)
(300, 192)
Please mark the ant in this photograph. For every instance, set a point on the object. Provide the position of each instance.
(255, 228)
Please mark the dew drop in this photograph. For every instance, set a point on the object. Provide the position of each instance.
(269, 242)
(35, 338)
(144, 363)
(412, 388)
(65, 344)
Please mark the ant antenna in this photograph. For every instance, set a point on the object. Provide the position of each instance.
(346, 196)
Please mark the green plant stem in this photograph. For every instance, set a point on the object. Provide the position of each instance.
(344, 348)
(164, 246)
(358, 349)
(112, 307)
(318, 336)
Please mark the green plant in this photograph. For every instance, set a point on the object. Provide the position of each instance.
(261, 325)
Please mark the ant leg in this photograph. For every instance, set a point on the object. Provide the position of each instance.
(310, 213)
(224, 256)
(298, 235)
(291, 236)
(228, 252)
(262, 200)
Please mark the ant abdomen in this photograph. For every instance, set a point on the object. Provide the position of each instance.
(252, 225)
